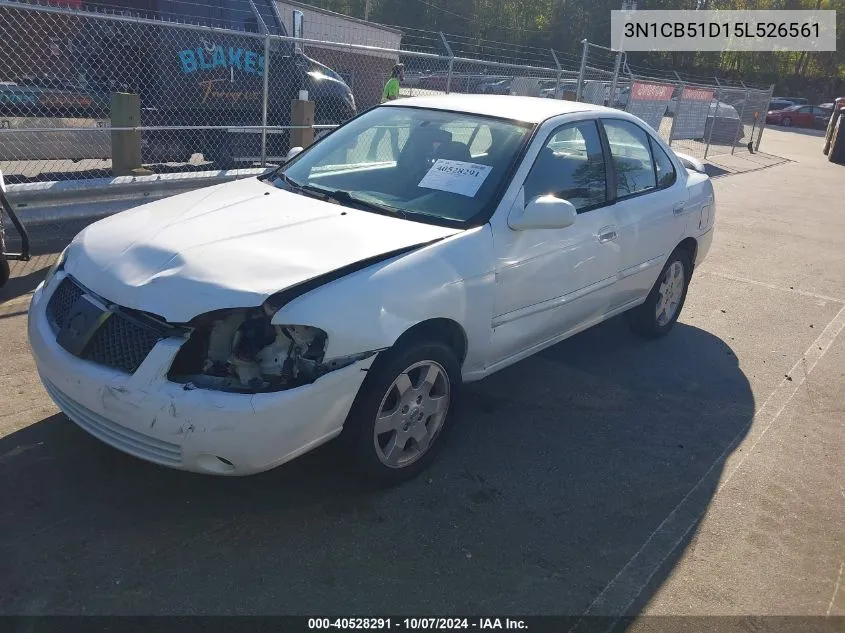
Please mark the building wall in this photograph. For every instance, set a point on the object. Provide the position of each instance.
(365, 72)
(334, 27)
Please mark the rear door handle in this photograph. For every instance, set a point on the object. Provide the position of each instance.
(678, 209)
(607, 234)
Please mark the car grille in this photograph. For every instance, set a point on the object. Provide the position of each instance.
(120, 343)
(120, 437)
(61, 302)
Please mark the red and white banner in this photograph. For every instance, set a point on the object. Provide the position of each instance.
(697, 94)
(649, 101)
(643, 91)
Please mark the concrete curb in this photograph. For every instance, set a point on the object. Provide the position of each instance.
(45, 202)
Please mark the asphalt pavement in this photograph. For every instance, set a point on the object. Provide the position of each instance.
(699, 474)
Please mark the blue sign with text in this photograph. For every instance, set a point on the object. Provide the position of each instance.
(199, 58)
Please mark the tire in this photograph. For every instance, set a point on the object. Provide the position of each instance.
(644, 319)
(394, 454)
(831, 125)
(218, 149)
(787, 122)
(5, 271)
(836, 153)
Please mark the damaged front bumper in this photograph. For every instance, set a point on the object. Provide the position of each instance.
(148, 416)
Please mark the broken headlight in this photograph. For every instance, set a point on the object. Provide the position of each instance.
(56, 267)
(242, 351)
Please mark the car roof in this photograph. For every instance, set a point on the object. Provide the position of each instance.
(525, 109)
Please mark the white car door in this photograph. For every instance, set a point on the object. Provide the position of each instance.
(650, 207)
(552, 281)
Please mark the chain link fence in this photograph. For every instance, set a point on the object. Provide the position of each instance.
(694, 116)
(213, 98)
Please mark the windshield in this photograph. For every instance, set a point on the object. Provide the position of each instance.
(427, 165)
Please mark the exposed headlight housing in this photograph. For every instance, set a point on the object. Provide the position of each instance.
(241, 351)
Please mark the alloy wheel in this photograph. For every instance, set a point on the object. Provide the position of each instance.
(671, 292)
(411, 414)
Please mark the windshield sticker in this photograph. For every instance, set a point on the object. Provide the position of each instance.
(456, 176)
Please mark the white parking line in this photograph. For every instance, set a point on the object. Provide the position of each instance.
(763, 284)
(625, 587)
(835, 589)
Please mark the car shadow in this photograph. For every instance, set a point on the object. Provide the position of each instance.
(556, 472)
(21, 284)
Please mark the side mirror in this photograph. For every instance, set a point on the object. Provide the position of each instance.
(292, 153)
(2, 182)
(545, 212)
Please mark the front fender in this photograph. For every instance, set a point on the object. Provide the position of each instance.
(371, 308)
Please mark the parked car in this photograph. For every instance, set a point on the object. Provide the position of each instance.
(566, 90)
(793, 100)
(779, 104)
(231, 329)
(497, 87)
(434, 81)
(623, 93)
(184, 78)
(800, 116)
(725, 123)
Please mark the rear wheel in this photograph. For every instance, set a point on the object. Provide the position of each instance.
(399, 419)
(658, 315)
(836, 153)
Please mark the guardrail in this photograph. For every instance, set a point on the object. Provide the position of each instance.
(45, 202)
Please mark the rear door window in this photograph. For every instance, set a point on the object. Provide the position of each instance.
(629, 149)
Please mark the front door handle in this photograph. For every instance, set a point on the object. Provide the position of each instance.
(607, 234)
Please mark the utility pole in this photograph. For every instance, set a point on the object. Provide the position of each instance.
(367, 10)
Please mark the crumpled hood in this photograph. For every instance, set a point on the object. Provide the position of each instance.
(228, 246)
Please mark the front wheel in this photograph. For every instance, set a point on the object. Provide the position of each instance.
(787, 122)
(399, 419)
(658, 315)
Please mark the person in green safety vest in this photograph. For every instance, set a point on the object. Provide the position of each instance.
(390, 92)
(391, 88)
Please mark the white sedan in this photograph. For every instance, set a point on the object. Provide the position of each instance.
(427, 242)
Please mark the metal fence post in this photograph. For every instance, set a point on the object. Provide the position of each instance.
(680, 88)
(715, 116)
(265, 98)
(582, 71)
(615, 79)
(559, 73)
(451, 62)
(741, 120)
(763, 124)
